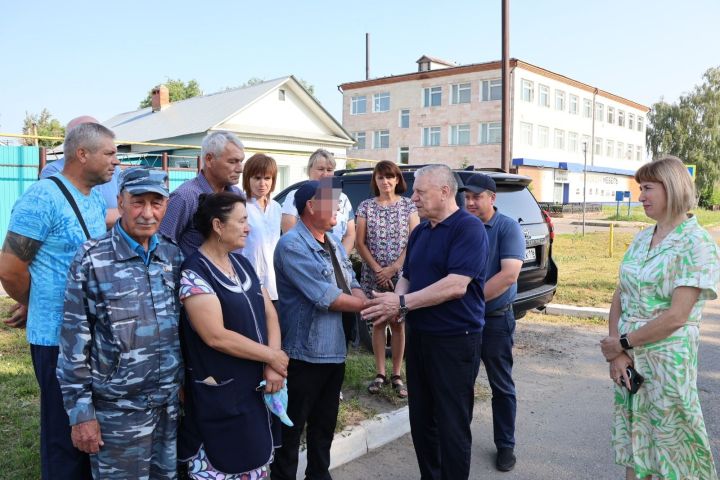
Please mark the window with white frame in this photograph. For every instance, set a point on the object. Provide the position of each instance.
(621, 120)
(638, 153)
(620, 150)
(631, 121)
(598, 146)
(573, 105)
(559, 139)
(527, 90)
(432, 97)
(491, 90)
(460, 134)
(543, 136)
(544, 95)
(559, 100)
(358, 105)
(381, 139)
(611, 115)
(490, 132)
(572, 141)
(609, 148)
(381, 102)
(431, 136)
(404, 118)
(460, 93)
(587, 108)
(359, 140)
(599, 111)
(404, 155)
(526, 133)
(640, 123)
(630, 151)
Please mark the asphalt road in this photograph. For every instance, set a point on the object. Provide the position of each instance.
(563, 425)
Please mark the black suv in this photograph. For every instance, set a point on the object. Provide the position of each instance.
(538, 277)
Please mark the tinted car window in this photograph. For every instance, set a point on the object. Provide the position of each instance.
(518, 203)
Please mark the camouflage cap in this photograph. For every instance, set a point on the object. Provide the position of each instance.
(139, 180)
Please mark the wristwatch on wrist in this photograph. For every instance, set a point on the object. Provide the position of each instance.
(624, 342)
(403, 309)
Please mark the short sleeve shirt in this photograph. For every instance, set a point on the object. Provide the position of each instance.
(44, 214)
(457, 245)
(505, 240)
(344, 215)
(178, 221)
(109, 190)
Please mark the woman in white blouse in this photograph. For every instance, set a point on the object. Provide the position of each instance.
(264, 214)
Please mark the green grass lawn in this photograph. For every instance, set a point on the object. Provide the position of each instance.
(706, 218)
(588, 275)
(19, 405)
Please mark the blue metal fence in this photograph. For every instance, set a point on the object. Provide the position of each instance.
(19, 169)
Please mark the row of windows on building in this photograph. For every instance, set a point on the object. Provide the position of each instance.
(571, 104)
(431, 136)
(573, 142)
(460, 93)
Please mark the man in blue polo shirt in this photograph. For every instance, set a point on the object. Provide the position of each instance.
(507, 252)
(441, 295)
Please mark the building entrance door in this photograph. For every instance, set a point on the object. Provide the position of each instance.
(558, 193)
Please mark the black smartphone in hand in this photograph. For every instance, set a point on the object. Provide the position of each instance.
(636, 380)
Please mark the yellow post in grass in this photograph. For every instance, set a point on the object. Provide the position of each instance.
(612, 239)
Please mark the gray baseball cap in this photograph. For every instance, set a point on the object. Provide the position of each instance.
(139, 180)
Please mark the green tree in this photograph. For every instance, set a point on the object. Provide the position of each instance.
(178, 89)
(46, 125)
(690, 129)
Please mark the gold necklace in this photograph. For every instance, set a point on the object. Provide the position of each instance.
(228, 272)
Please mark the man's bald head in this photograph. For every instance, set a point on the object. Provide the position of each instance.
(79, 121)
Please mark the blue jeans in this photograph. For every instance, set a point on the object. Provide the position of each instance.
(58, 458)
(498, 360)
(441, 373)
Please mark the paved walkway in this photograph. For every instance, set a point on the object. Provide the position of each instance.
(564, 408)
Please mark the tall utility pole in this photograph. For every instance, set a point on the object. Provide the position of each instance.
(505, 154)
(367, 56)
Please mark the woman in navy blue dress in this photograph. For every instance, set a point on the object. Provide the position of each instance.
(231, 342)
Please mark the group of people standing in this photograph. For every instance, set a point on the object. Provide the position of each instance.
(220, 303)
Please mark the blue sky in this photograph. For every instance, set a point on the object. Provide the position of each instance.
(101, 58)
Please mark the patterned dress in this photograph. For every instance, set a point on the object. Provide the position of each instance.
(386, 235)
(660, 430)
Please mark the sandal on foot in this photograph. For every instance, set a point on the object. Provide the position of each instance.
(399, 386)
(377, 383)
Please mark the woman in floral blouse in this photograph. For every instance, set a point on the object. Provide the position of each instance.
(667, 274)
(384, 224)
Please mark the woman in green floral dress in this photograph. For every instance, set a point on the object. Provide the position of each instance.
(666, 276)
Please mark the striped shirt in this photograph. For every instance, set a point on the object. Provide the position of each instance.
(178, 221)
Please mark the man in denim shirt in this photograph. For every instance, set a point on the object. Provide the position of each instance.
(315, 283)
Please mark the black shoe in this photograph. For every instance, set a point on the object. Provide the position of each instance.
(505, 459)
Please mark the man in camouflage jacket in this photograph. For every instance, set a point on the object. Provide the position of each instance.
(120, 366)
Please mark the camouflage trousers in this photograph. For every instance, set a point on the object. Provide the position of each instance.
(138, 444)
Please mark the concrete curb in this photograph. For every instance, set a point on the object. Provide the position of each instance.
(360, 439)
(607, 223)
